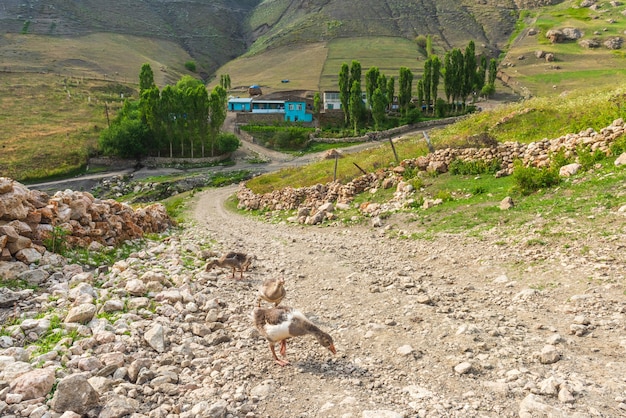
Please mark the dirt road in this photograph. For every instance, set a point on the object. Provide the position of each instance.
(449, 327)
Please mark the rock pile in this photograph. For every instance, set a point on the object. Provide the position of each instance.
(309, 200)
(30, 217)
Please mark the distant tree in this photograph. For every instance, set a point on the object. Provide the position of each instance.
(382, 85)
(356, 105)
(218, 104)
(371, 83)
(188, 82)
(225, 81)
(457, 75)
(344, 90)
(128, 136)
(191, 66)
(391, 90)
(493, 71)
(197, 116)
(227, 142)
(425, 85)
(435, 75)
(420, 93)
(379, 106)
(355, 72)
(170, 108)
(481, 75)
(429, 45)
(150, 107)
(469, 79)
(448, 73)
(146, 78)
(421, 42)
(317, 105)
(405, 83)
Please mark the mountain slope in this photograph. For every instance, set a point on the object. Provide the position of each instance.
(451, 22)
(209, 31)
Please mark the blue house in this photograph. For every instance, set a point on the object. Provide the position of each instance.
(294, 109)
(236, 104)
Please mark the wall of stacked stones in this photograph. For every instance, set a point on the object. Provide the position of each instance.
(536, 154)
(29, 217)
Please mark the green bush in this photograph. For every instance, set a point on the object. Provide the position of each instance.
(558, 159)
(227, 142)
(461, 167)
(587, 159)
(191, 66)
(530, 179)
(618, 147)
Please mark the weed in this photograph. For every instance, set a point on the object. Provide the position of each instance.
(474, 167)
(587, 159)
(56, 241)
(535, 241)
(531, 179)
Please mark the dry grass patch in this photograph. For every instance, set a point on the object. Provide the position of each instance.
(301, 65)
(51, 123)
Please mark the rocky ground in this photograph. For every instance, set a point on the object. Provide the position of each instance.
(450, 327)
(453, 326)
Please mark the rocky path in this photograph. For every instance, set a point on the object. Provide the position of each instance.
(453, 326)
(450, 327)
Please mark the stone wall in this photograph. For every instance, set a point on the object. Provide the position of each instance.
(536, 154)
(29, 217)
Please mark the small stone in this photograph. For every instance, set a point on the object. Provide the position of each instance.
(463, 368)
(405, 350)
(549, 355)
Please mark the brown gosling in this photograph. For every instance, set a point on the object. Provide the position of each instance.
(280, 323)
(233, 260)
(272, 291)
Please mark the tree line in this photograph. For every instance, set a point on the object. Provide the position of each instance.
(181, 120)
(462, 74)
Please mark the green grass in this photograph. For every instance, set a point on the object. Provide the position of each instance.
(578, 67)
(539, 118)
(323, 171)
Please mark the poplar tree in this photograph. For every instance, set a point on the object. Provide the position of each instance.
(344, 90)
(405, 83)
(146, 78)
(434, 79)
(218, 103)
(391, 90)
(371, 83)
(379, 105)
(356, 105)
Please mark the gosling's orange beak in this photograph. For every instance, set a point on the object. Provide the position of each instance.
(332, 349)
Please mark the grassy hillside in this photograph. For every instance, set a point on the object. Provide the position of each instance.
(50, 123)
(574, 66)
(104, 56)
(210, 31)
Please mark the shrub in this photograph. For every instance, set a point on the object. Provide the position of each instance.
(191, 66)
(558, 159)
(618, 147)
(55, 242)
(461, 167)
(412, 116)
(530, 179)
(586, 158)
(227, 142)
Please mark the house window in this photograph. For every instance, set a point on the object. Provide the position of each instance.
(291, 106)
(299, 107)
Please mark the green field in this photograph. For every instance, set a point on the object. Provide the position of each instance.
(574, 66)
